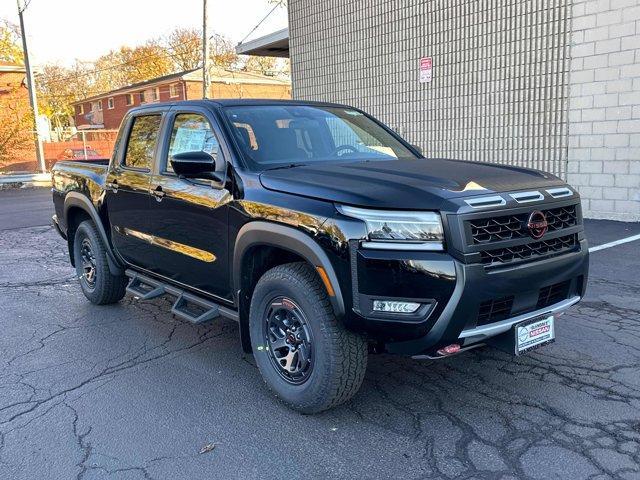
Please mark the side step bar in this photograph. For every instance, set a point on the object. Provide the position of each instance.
(187, 306)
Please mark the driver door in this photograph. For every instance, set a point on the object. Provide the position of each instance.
(188, 218)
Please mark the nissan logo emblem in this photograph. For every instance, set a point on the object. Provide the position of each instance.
(537, 224)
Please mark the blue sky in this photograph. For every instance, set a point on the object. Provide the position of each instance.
(61, 31)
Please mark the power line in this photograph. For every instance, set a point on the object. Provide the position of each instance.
(112, 67)
(24, 6)
(162, 88)
(261, 21)
(173, 48)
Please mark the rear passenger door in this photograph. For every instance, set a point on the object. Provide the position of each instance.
(189, 217)
(127, 189)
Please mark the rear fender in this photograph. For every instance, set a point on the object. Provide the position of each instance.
(75, 199)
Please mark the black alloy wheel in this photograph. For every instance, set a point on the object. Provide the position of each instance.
(304, 353)
(289, 340)
(98, 283)
(88, 264)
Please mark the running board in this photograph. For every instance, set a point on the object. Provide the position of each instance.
(143, 290)
(187, 306)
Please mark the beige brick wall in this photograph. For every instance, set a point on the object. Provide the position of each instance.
(500, 72)
(604, 107)
(547, 84)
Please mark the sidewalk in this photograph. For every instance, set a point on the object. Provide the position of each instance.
(25, 179)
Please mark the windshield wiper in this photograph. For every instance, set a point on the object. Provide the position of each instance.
(290, 165)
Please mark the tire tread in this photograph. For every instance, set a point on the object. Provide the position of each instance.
(109, 288)
(348, 350)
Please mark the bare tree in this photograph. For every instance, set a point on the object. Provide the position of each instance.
(16, 123)
(185, 45)
(222, 52)
(260, 64)
(10, 47)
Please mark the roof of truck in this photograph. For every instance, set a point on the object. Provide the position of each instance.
(235, 102)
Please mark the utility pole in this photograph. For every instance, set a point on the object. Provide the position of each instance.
(32, 89)
(205, 52)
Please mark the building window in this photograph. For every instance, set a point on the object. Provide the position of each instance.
(96, 106)
(141, 96)
(129, 98)
(155, 94)
(173, 90)
(100, 105)
(110, 103)
(80, 109)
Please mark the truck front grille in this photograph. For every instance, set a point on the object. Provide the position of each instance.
(510, 227)
(553, 294)
(501, 308)
(530, 250)
(495, 310)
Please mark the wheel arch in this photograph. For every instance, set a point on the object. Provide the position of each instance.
(297, 246)
(78, 207)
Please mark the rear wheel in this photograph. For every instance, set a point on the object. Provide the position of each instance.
(304, 354)
(98, 284)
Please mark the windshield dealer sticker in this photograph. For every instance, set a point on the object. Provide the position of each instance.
(189, 140)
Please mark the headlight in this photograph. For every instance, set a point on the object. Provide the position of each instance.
(394, 230)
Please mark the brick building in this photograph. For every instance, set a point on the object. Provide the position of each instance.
(12, 79)
(16, 136)
(553, 85)
(107, 109)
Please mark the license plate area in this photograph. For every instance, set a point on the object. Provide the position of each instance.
(534, 333)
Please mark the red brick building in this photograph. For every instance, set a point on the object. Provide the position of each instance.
(16, 136)
(107, 109)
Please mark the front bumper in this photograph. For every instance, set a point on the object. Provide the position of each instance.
(463, 291)
(481, 333)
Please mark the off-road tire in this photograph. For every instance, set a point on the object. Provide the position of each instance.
(107, 288)
(340, 356)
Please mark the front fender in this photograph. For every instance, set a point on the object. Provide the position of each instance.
(273, 234)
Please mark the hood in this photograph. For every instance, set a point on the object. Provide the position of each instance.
(403, 184)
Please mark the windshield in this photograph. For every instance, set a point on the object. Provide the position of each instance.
(273, 136)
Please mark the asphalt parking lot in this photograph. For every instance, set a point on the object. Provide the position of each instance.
(128, 391)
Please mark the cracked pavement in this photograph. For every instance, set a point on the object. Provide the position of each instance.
(129, 392)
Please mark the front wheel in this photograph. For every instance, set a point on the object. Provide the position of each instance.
(304, 354)
(98, 284)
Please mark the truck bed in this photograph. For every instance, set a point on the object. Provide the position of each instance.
(85, 177)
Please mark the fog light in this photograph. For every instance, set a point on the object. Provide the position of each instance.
(394, 306)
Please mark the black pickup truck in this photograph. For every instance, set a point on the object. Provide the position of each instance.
(325, 235)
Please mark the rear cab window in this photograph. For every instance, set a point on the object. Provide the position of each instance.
(142, 142)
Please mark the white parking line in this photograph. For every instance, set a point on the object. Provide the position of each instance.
(613, 244)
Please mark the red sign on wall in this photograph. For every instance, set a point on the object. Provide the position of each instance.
(426, 69)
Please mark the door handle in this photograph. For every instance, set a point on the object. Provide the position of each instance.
(113, 186)
(158, 193)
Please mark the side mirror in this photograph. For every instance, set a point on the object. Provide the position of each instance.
(195, 165)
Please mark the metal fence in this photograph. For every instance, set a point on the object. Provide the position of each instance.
(18, 153)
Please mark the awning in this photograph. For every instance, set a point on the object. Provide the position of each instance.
(275, 44)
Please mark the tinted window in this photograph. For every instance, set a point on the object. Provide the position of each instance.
(142, 141)
(276, 135)
(192, 133)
